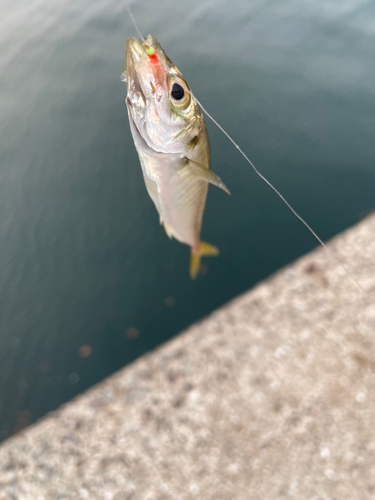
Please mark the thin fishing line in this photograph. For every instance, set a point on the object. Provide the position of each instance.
(133, 20)
(330, 253)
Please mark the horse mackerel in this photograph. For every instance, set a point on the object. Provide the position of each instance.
(171, 139)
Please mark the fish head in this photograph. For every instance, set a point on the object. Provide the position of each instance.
(161, 107)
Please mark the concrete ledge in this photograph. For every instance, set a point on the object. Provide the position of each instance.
(271, 397)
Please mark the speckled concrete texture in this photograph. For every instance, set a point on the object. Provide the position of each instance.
(271, 397)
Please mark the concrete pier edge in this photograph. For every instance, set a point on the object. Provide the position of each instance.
(270, 397)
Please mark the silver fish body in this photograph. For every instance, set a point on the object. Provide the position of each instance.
(171, 140)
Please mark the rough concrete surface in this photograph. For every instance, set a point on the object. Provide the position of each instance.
(271, 397)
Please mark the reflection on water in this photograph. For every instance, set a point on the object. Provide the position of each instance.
(89, 280)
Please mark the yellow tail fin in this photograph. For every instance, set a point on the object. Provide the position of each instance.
(205, 249)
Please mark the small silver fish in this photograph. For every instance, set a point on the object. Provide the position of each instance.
(171, 140)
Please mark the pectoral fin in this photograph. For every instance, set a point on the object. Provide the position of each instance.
(193, 170)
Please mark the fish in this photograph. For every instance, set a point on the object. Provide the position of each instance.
(171, 139)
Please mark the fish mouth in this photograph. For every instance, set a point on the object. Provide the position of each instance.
(135, 55)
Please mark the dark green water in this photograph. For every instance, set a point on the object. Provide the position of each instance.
(83, 258)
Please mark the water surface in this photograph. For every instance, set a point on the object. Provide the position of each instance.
(83, 259)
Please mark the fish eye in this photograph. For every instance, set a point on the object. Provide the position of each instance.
(179, 93)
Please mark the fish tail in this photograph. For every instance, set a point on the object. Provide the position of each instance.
(205, 249)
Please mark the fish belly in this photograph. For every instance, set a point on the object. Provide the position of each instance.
(183, 212)
(179, 201)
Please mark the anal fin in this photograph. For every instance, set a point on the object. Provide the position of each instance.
(168, 230)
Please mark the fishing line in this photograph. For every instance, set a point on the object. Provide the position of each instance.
(330, 253)
(320, 241)
(133, 20)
